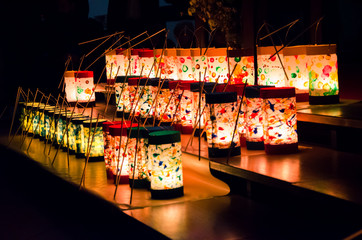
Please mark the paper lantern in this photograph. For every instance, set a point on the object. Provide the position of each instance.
(199, 64)
(323, 74)
(85, 87)
(70, 86)
(159, 65)
(145, 98)
(113, 64)
(69, 135)
(36, 119)
(280, 125)
(119, 154)
(221, 124)
(44, 121)
(195, 89)
(244, 70)
(94, 130)
(78, 126)
(242, 118)
(121, 88)
(184, 65)
(170, 69)
(135, 63)
(146, 61)
(163, 113)
(217, 65)
(165, 156)
(270, 71)
(107, 145)
(254, 118)
(59, 127)
(135, 87)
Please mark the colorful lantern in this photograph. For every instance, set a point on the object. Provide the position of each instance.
(254, 118)
(85, 87)
(280, 126)
(77, 123)
(242, 118)
(119, 155)
(159, 65)
(221, 137)
(270, 70)
(170, 67)
(69, 135)
(146, 61)
(184, 65)
(244, 70)
(145, 98)
(44, 121)
(95, 148)
(165, 156)
(70, 86)
(199, 64)
(217, 65)
(135, 63)
(163, 113)
(121, 88)
(135, 87)
(323, 74)
(113, 62)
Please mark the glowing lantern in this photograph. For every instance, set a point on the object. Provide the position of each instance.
(244, 70)
(55, 126)
(165, 156)
(69, 135)
(145, 98)
(270, 71)
(135, 63)
(280, 120)
(159, 66)
(59, 127)
(217, 65)
(323, 74)
(199, 64)
(146, 61)
(170, 69)
(78, 126)
(221, 124)
(163, 113)
(254, 118)
(70, 86)
(85, 87)
(112, 64)
(195, 89)
(135, 87)
(44, 121)
(121, 88)
(119, 155)
(95, 148)
(242, 118)
(184, 65)
(36, 119)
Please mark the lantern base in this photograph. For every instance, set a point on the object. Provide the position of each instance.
(187, 129)
(281, 148)
(254, 145)
(83, 104)
(322, 100)
(242, 140)
(223, 152)
(139, 183)
(123, 179)
(119, 114)
(96, 159)
(302, 97)
(178, 127)
(163, 123)
(149, 120)
(167, 193)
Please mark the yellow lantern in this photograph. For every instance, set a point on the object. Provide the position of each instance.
(280, 126)
(270, 70)
(323, 74)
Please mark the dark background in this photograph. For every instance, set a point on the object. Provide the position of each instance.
(38, 36)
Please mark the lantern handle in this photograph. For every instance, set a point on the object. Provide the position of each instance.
(316, 30)
(290, 26)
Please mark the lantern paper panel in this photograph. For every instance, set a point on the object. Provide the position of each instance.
(163, 113)
(70, 86)
(184, 65)
(79, 136)
(187, 111)
(244, 70)
(217, 65)
(323, 73)
(121, 93)
(96, 149)
(138, 156)
(280, 122)
(134, 94)
(85, 86)
(145, 102)
(270, 70)
(159, 59)
(112, 63)
(295, 63)
(170, 69)
(199, 64)
(118, 156)
(135, 63)
(146, 62)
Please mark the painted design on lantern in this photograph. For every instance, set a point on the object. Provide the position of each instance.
(147, 63)
(134, 106)
(187, 114)
(145, 102)
(199, 64)
(197, 110)
(159, 67)
(270, 71)
(123, 100)
(97, 149)
(242, 116)
(166, 166)
(85, 88)
(141, 158)
(59, 130)
(163, 100)
(118, 155)
(217, 66)
(107, 149)
(184, 65)
(280, 123)
(170, 69)
(70, 136)
(79, 139)
(135, 63)
(323, 75)
(296, 69)
(36, 119)
(221, 124)
(254, 120)
(70, 88)
(112, 63)
(244, 71)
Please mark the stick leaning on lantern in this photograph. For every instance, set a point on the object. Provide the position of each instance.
(50, 124)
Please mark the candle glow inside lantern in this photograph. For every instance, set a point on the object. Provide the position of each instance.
(165, 156)
(217, 65)
(119, 155)
(170, 67)
(280, 124)
(199, 64)
(244, 70)
(95, 148)
(146, 61)
(184, 65)
(323, 74)
(254, 118)
(270, 71)
(221, 137)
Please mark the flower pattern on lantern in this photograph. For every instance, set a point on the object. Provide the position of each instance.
(270, 69)
(244, 71)
(166, 166)
(217, 65)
